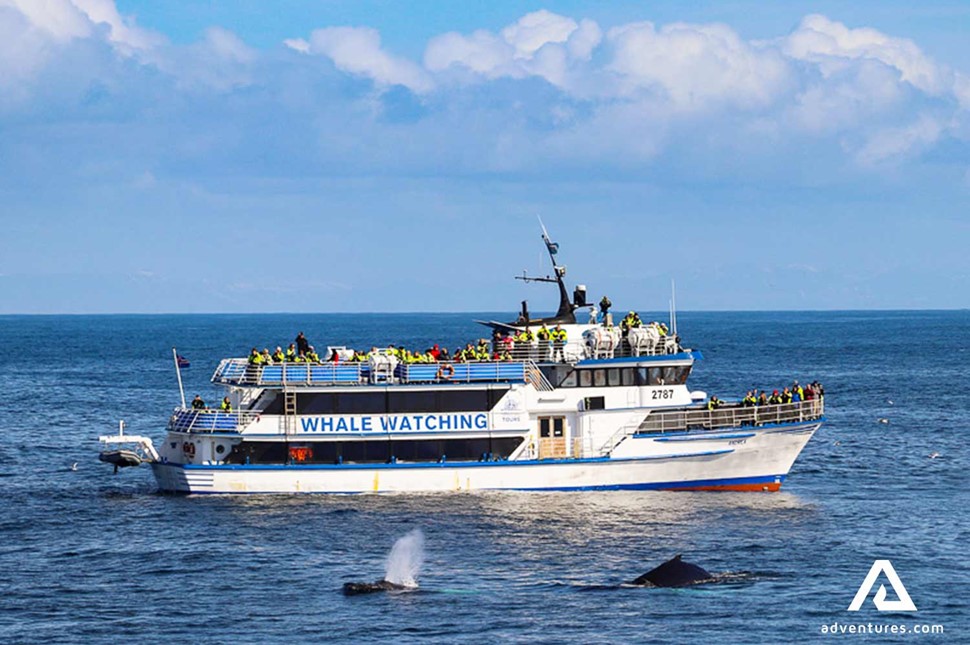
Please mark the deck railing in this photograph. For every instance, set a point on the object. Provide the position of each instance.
(237, 371)
(188, 420)
(573, 350)
(732, 416)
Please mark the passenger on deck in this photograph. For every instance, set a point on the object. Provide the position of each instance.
(266, 356)
(545, 348)
(225, 406)
(749, 401)
(302, 344)
(278, 355)
(630, 321)
(786, 396)
(714, 403)
(255, 358)
(775, 398)
(435, 352)
(506, 341)
(796, 389)
(762, 398)
(198, 403)
(605, 305)
(558, 336)
(312, 356)
(291, 353)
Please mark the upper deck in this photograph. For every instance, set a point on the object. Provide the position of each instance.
(237, 372)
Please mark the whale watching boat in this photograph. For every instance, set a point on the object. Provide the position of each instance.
(590, 408)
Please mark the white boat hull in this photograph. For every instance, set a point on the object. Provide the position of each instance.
(754, 460)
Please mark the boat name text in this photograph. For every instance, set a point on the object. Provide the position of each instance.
(402, 423)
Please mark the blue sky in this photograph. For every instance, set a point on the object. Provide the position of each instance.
(386, 156)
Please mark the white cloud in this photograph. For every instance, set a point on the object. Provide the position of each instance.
(697, 66)
(536, 29)
(60, 20)
(891, 144)
(357, 50)
(540, 44)
(845, 100)
(831, 44)
(124, 34)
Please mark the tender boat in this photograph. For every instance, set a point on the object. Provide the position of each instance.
(591, 408)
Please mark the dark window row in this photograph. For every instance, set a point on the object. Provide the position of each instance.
(373, 451)
(391, 401)
(566, 376)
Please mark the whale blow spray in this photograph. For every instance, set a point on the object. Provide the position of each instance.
(405, 560)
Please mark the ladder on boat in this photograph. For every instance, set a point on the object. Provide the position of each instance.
(289, 412)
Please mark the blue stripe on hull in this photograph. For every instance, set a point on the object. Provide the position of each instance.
(699, 483)
(667, 486)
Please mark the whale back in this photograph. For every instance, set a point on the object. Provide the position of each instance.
(674, 573)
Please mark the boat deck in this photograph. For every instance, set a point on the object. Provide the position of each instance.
(237, 372)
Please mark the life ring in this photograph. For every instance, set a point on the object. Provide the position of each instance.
(189, 449)
(445, 372)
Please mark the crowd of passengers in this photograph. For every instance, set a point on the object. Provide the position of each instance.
(755, 398)
(505, 346)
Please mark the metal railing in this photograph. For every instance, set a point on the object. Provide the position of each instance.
(237, 371)
(541, 351)
(188, 420)
(731, 417)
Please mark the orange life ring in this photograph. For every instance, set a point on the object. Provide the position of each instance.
(445, 372)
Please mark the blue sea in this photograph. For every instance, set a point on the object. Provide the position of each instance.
(88, 556)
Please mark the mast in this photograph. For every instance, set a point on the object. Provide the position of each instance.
(565, 306)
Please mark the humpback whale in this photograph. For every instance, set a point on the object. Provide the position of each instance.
(358, 588)
(674, 573)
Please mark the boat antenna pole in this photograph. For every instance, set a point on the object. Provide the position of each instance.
(178, 373)
(673, 308)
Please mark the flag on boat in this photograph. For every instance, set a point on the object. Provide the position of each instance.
(182, 361)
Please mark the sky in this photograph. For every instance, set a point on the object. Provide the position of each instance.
(366, 156)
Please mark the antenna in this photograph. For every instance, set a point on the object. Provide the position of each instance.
(673, 308)
(178, 373)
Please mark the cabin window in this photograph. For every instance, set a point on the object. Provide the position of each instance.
(585, 378)
(309, 403)
(552, 427)
(558, 426)
(376, 451)
(627, 376)
(655, 376)
(594, 403)
(569, 380)
(599, 378)
(613, 377)
(459, 400)
(361, 403)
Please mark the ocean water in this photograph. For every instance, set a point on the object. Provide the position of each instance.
(88, 556)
